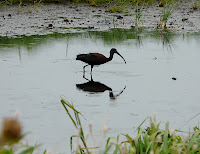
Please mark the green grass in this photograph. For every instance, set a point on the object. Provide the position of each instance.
(138, 15)
(77, 123)
(110, 37)
(145, 140)
(151, 139)
(163, 3)
(118, 5)
(196, 4)
(112, 5)
(167, 11)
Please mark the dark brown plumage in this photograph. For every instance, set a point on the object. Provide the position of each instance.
(96, 58)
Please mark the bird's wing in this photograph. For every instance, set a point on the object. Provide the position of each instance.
(97, 55)
(98, 58)
(92, 58)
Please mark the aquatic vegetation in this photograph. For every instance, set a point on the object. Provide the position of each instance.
(77, 123)
(118, 5)
(163, 3)
(119, 2)
(114, 22)
(112, 5)
(138, 14)
(138, 2)
(156, 140)
(34, 7)
(111, 37)
(151, 139)
(167, 11)
(196, 5)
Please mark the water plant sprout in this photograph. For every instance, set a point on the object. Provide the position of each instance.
(152, 139)
(167, 11)
(138, 14)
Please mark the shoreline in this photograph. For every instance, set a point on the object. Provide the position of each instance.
(74, 17)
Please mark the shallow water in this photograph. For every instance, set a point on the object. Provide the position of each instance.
(37, 71)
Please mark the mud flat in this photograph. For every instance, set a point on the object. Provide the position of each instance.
(73, 17)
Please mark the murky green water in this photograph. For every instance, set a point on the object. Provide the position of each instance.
(37, 70)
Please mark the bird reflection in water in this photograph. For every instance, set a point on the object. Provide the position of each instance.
(97, 87)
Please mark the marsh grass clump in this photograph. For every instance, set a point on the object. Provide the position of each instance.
(139, 2)
(118, 5)
(150, 139)
(163, 3)
(11, 131)
(138, 14)
(156, 140)
(196, 5)
(167, 11)
(91, 2)
(11, 138)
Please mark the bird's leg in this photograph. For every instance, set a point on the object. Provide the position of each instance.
(91, 79)
(91, 69)
(85, 78)
(84, 70)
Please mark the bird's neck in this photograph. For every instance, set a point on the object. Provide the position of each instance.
(111, 57)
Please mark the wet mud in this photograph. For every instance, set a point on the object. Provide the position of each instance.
(64, 18)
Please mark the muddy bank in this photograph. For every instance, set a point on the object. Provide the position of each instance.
(63, 18)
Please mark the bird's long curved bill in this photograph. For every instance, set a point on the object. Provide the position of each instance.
(122, 57)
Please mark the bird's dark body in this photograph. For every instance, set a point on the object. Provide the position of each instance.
(92, 58)
(96, 58)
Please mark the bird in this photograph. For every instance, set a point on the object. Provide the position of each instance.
(96, 58)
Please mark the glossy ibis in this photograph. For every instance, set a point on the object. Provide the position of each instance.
(96, 58)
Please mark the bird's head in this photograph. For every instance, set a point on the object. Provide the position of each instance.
(113, 50)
